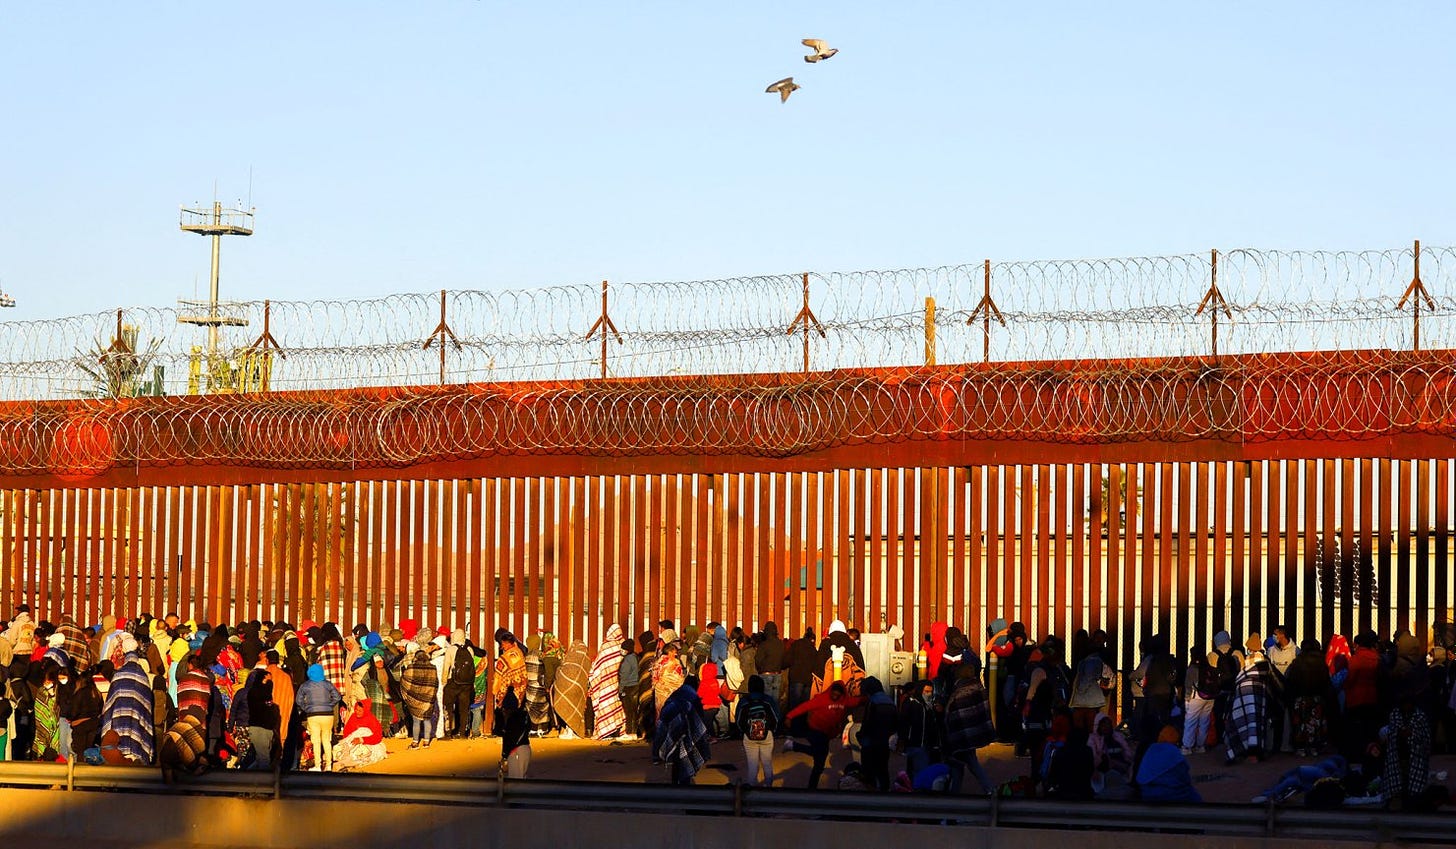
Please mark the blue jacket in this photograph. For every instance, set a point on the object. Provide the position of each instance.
(317, 697)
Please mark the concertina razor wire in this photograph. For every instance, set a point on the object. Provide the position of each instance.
(692, 351)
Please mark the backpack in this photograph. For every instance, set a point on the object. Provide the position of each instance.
(1228, 670)
(1208, 680)
(463, 672)
(756, 719)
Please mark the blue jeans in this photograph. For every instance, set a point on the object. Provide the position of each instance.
(424, 730)
(477, 719)
(916, 759)
(63, 738)
(958, 769)
(772, 684)
(262, 739)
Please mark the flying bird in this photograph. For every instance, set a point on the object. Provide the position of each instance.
(821, 50)
(784, 88)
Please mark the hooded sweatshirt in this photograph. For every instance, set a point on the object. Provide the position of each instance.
(770, 658)
(826, 714)
(318, 697)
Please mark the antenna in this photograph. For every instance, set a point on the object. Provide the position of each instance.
(215, 222)
(250, 187)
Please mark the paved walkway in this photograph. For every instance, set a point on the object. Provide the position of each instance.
(591, 760)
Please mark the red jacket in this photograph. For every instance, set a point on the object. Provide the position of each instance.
(826, 715)
(708, 686)
(1362, 685)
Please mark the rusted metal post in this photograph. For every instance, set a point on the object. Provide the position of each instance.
(604, 323)
(807, 318)
(930, 331)
(986, 309)
(265, 340)
(1415, 293)
(442, 332)
(1213, 301)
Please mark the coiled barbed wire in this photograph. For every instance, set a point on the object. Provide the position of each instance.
(1054, 310)
(1091, 351)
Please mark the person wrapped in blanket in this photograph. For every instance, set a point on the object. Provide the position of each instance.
(127, 732)
(371, 675)
(1163, 774)
(682, 737)
(362, 741)
(1247, 733)
(184, 746)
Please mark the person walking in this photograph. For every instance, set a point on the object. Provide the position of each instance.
(824, 718)
(968, 728)
(757, 721)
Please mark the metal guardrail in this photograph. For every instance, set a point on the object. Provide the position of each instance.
(1269, 820)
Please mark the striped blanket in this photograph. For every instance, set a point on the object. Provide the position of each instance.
(538, 698)
(194, 693)
(610, 719)
(419, 683)
(128, 712)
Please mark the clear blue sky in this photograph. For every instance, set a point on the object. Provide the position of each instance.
(424, 145)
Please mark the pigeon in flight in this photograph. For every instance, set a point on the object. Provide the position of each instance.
(784, 88)
(821, 50)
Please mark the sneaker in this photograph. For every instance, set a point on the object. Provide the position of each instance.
(1186, 751)
(414, 744)
(1198, 750)
(427, 744)
(788, 745)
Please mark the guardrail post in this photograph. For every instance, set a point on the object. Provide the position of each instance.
(71, 773)
(1271, 812)
(277, 782)
(995, 809)
(738, 798)
(500, 784)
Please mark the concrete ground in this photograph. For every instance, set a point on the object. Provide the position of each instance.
(591, 760)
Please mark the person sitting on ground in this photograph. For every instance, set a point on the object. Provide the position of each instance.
(1163, 775)
(854, 779)
(362, 741)
(1112, 759)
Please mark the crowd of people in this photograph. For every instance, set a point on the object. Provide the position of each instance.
(1359, 722)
